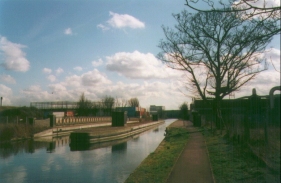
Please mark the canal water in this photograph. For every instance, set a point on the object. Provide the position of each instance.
(54, 161)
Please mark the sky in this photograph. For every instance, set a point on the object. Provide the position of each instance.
(56, 50)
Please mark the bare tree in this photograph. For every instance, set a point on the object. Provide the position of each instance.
(121, 102)
(134, 102)
(251, 8)
(108, 104)
(218, 51)
(262, 9)
(184, 111)
(84, 106)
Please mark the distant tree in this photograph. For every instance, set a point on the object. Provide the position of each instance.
(108, 104)
(134, 102)
(218, 51)
(184, 111)
(84, 106)
(119, 102)
(96, 107)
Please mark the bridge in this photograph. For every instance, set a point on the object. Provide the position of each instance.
(60, 105)
(64, 105)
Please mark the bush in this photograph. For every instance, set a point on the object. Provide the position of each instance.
(15, 131)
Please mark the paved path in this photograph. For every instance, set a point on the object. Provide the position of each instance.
(193, 164)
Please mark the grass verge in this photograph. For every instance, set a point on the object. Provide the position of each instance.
(236, 163)
(157, 166)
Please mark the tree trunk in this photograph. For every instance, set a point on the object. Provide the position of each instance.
(217, 117)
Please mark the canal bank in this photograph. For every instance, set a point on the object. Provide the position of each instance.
(98, 132)
(54, 161)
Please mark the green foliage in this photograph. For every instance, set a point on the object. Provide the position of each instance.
(237, 163)
(18, 131)
(22, 112)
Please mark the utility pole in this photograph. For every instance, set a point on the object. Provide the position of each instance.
(1, 101)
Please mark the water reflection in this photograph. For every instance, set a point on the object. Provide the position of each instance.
(156, 130)
(79, 142)
(119, 147)
(13, 148)
(51, 148)
(55, 161)
(30, 146)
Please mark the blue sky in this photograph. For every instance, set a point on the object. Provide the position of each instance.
(56, 50)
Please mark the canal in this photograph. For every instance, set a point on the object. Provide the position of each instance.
(54, 161)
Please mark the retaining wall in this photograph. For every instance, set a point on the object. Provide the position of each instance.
(80, 120)
(42, 122)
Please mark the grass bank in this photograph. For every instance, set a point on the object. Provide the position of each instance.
(157, 166)
(237, 162)
(17, 131)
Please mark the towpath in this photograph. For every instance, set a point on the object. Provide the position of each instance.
(193, 164)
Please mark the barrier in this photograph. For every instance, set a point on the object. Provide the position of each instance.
(80, 120)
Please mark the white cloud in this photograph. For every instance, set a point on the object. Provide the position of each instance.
(74, 81)
(138, 65)
(47, 71)
(78, 68)
(123, 20)
(59, 71)
(95, 86)
(97, 63)
(6, 94)
(92, 78)
(68, 31)
(267, 79)
(273, 57)
(57, 87)
(52, 78)
(260, 4)
(103, 27)
(34, 93)
(13, 55)
(7, 79)
(33, 88)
